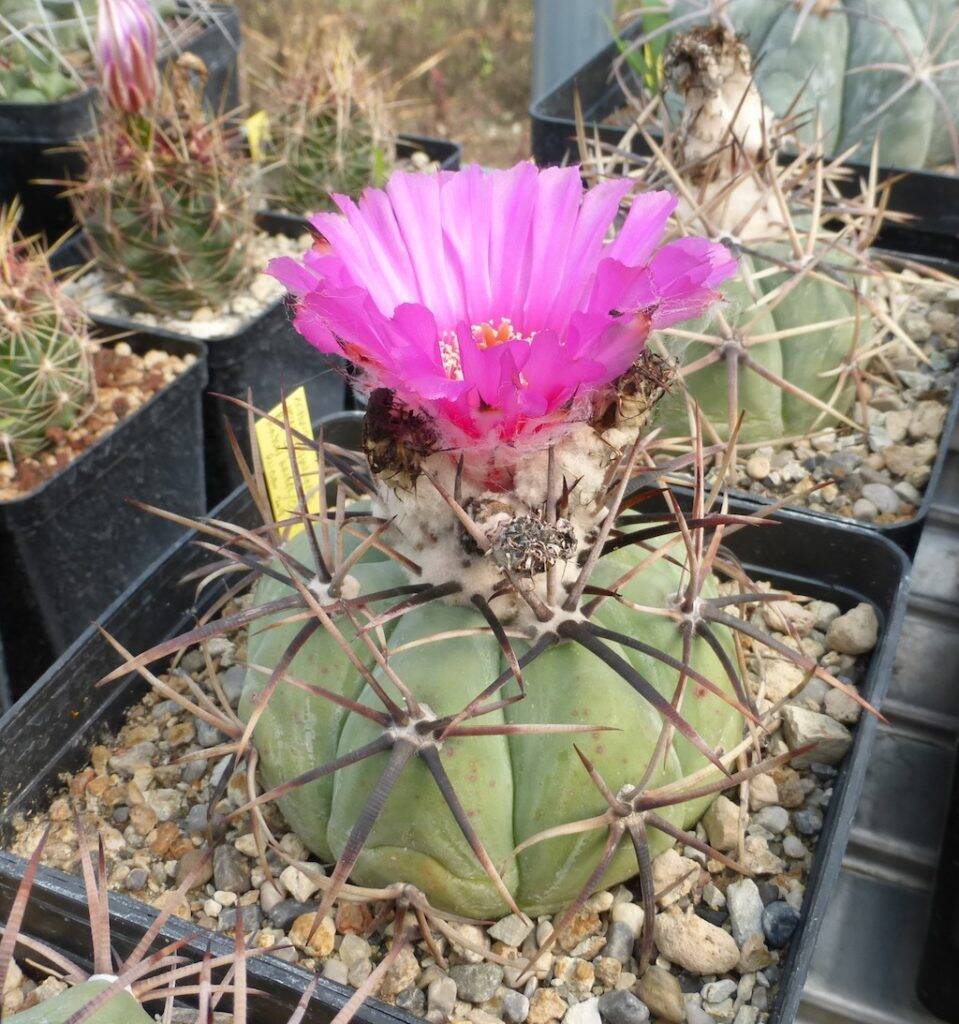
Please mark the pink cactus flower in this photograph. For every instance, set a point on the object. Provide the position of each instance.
(127, 50)
(492, 299)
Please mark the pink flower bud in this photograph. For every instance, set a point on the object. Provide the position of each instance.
(127, 47)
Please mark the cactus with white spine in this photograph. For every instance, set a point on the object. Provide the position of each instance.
(46, 352)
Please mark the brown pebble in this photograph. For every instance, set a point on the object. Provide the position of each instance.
(98, 785)
(545, 1006)
(166, 833)
(316, 942)
(585, 922)
(353, 918)
(194, 859)
(143, 819)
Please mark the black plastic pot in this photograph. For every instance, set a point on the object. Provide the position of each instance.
(930, 199)
(41, 741)
(71, 546)
(266, 355)
(35, 138)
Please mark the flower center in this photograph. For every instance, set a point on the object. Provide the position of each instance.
(486, 335)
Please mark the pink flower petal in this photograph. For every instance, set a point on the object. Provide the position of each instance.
(492, 299)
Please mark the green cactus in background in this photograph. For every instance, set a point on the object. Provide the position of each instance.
(785, 346)
(26, 76)
(328, 130)
(46, 371)
(874, 70)
(167, 203)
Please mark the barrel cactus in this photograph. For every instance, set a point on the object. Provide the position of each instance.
(166, 198)
(46, 352)
(477, 639)
(874, 70)
(327, 124)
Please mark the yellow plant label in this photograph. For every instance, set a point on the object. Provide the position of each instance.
(257, 130)
(277, 466)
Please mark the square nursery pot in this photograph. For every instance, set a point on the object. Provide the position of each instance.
(35, 138)
(929, 198)
(50, 730)
(71, 546)
(933, 237)
(265, 355)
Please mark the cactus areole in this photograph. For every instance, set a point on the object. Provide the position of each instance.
(501, 335)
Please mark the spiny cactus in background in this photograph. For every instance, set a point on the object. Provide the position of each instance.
(166, 202)
(791, 346)
(480, 587)
(328, 126)
(118, 993)
(46, 368)
(876, 71)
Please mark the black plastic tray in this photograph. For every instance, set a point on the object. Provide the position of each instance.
(72, 545)
(64, 710)
(930, 199)
(938, 983)
(35, 137)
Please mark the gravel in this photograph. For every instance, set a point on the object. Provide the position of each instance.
(718, 935)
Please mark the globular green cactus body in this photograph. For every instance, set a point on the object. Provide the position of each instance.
(46, 372)
(172, 243)
(872, 69)
(26, 77)
(511, 786)
(808, 358)
(167, 202)
(120, 1009)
